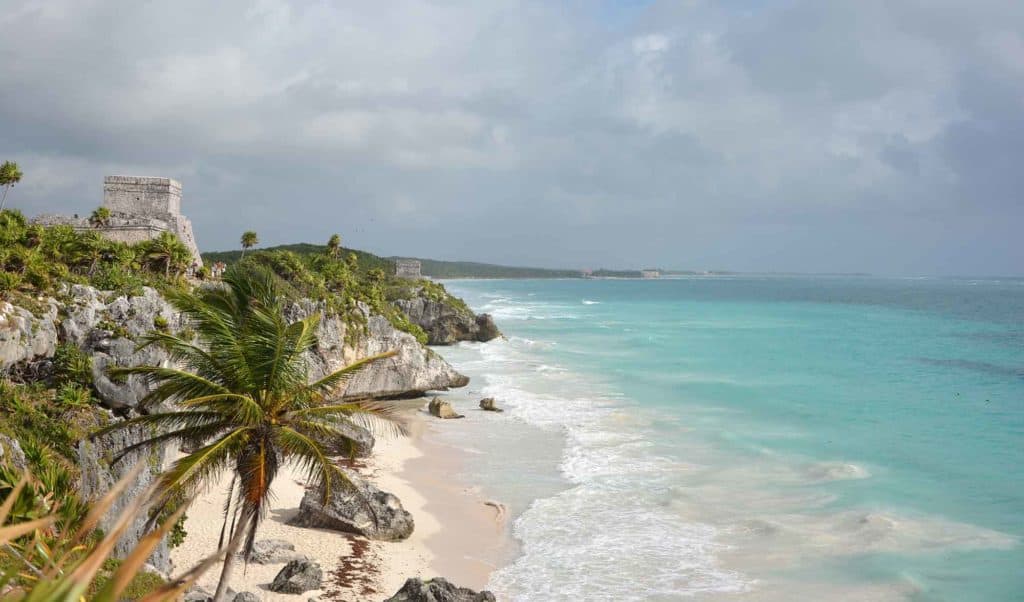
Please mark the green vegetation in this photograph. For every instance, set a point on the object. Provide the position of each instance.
(247, 405)
(44, 559)
(313, 271)
(365, 261)
(36, 260)
(9, 176)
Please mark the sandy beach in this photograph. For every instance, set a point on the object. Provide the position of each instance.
(458, 535)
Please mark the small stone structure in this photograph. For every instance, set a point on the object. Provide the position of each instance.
(408, 268)
(650, 274)
(140, 209)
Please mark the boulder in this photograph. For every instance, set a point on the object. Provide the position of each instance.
(362, 509)
(442, 409)
(358, 442)
(273, 551)
(201, 594)
(297, 577)
(437, 589)
(488, 404)
(246, 597)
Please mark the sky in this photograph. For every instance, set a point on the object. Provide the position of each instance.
(877, 136)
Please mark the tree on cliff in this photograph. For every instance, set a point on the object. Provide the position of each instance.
(9, 176)
(334, 246)
(246, 402)
(168, 252)
(249, 240)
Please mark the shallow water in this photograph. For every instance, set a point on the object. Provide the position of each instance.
(755, 438)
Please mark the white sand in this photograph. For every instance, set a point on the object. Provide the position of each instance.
(465, 542)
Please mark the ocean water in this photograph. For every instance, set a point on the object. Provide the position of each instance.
(754, 438)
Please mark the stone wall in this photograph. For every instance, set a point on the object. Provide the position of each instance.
(145, 196)
(408, 268)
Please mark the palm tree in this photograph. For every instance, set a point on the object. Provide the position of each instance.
(249, 240)
(9, 176)
(334, 246)
(169, 252)
(246, 403)
(100, 217)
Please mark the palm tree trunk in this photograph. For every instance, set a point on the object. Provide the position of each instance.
(243, 254)
(4, 201)
(229, 560)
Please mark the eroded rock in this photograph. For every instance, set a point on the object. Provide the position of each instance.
(437, 589)
(488, 404)
(442, 409)
(363, 509)
(297, 577)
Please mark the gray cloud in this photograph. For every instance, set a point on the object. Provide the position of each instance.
(801, 136)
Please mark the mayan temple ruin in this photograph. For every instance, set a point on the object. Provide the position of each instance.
(140, 209)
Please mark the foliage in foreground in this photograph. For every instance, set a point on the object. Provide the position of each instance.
(43, 561)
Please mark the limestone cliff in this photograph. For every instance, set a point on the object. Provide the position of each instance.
(446, 319)
(106, 327)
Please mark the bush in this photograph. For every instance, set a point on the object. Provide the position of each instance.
(71, 365)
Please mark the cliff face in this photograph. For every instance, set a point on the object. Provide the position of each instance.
(447, 321)
(107, 327)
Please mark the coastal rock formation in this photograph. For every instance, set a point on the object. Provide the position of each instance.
(273, 551)
(298, 576)
(442, 409)
(437, 589)
(364, 510)
(414, 371)
(448, 321)
(488, 404)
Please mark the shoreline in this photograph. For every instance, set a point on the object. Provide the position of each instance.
(456, 536)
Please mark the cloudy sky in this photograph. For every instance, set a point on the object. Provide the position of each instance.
(884, 136)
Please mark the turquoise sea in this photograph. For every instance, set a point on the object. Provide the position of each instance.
(755, 438)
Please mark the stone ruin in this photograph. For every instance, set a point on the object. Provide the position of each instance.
(408, 268)
(140, 209)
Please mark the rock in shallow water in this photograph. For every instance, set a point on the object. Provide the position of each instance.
(442, 409)
(488, 404)
(437, 589)
(298, 576)
(364, 510)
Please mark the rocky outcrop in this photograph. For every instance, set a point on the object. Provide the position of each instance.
(447, 322)
(108, 331)
(442, 409)
(25, 337)
(489, 405)
(412, 372)
(437, 589)
(362, 509)
(246, 597)
(297, 577)
(99, 473)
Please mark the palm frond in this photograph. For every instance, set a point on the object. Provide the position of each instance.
(338, 377)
